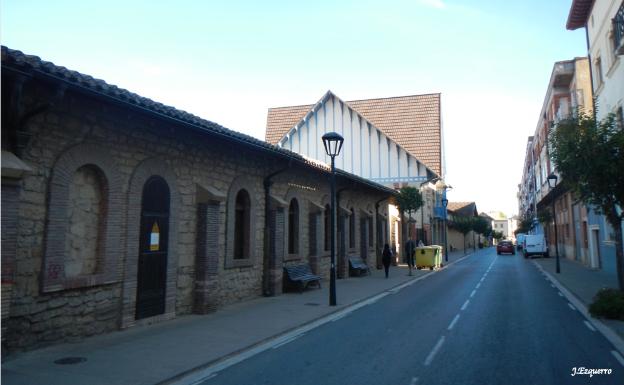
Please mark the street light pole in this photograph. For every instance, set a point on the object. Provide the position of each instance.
(333, 143)
(332, 278)
(552, 182)
(445, 204)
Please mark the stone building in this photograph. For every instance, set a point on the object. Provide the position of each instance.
(120, 211)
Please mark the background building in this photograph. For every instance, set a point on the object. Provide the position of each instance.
(392, 141)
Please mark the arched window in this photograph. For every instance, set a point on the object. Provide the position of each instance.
(327, 224)
(86, 211)
(242, 225)
(293, 227)
(352, 229)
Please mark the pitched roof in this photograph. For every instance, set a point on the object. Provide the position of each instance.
(411, 121)
(462, 208)
(29, 64)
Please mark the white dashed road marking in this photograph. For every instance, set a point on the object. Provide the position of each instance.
(571, 306)
(589, 326)
(473, 293)
(465, 305)
(435, 350)
(453, 322)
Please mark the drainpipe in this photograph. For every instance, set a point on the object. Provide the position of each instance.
(267, 290)
(379, 247)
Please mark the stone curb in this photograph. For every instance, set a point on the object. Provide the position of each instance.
(606, 331)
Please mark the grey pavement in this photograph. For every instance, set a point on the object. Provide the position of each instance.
(583, 283)
(161, 352)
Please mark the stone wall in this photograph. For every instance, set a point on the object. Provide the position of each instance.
(89, 285)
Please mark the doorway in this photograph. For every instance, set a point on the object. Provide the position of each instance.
(153, 248)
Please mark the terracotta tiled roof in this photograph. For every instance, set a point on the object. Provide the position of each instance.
(579, 12)
(30, 64)
(282, 119)
(411, 121)
(462, 208)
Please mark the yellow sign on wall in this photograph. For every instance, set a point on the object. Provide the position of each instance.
(155, 238)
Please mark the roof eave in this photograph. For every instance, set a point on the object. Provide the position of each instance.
(579, 13)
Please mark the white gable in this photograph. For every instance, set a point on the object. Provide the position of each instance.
(366, 152)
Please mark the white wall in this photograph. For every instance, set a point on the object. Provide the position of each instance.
(609, 94)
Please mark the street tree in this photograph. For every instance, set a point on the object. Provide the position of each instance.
(409, 199)
(481, 226)
(589, 156)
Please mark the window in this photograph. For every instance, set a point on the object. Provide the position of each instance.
(352, 229)
(326, 229)
(598, 71)
(82, 245)
(86, 209)
(241, 225)
(293, 227)
(370, 232)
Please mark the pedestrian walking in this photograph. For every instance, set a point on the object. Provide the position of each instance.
(410, 249)
(386, 258)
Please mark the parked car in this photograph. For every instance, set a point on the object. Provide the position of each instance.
(505, 246)
(535, 244)
(520, 240)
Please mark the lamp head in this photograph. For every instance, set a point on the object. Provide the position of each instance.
(333, 143)
(552, 180)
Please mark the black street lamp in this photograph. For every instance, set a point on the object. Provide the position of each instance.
(552, 182)
(444, 204)
(333, 144)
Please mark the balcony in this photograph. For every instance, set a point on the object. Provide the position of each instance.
(618, 31)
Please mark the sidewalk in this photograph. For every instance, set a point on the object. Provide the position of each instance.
(583, 283)
(158, 353)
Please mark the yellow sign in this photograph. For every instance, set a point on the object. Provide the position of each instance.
(155, 238)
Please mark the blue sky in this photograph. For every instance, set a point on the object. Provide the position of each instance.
(230, 61)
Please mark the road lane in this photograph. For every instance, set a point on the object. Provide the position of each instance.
(486, 319)
(518, 330)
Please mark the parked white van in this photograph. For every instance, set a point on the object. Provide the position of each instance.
(535, 244)
(520, 240)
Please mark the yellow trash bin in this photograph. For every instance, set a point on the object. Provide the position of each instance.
(428, 257)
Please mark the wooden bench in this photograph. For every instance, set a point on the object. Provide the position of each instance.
(357, 266)
(300, 276)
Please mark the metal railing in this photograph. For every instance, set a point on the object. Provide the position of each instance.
(618, 28)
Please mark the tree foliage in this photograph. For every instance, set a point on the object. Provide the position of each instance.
(544, 216)
(409, 199)
(462, 224)
(481, 226)
(589, 157)
(524, 226)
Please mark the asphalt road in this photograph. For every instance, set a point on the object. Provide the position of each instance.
(485, 320)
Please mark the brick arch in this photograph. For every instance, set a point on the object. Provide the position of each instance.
(240, 183)
(53, 272)
(141, 174)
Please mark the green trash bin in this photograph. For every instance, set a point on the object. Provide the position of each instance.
(428, 257)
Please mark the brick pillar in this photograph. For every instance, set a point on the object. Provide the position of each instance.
(207, 258)
(342, 264)
(276, 251)
(314, 234)
(10, 195)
